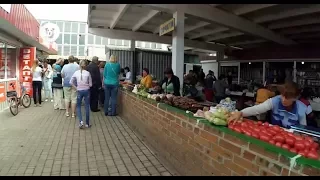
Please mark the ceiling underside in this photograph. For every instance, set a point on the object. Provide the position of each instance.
(231, 25)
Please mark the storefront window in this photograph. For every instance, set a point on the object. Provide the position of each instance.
(11, 61)
(82, 39)
(81, 51)
(2, 60)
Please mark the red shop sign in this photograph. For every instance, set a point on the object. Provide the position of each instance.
(27, 57)
(2, 92)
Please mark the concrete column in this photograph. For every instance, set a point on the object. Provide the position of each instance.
(133, 45)
(263, 72)
(220, 57)
(178, 46)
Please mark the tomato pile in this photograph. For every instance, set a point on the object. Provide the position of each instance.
(303, 145)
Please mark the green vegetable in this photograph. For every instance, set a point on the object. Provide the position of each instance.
(219, 122)
(220, 115)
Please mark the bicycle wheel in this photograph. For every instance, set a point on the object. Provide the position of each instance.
(13, 106)
(26, 100)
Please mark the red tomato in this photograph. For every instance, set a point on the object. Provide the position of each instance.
(273, 132)
(306, 151)
(290, 134)
(269, 134)
(237, 129)
(279, 138)
(315, 145)
(266, 124)
(299, 145)
(313, 149)
(313, 155)
(309, 139)
(264, 137)
(272, 142)
(298, 138)
(247, 133)
(285, 146)
(230, 122)
(302, 153)
(244, 124)
(255, 135)
(264, 131)
(293, 150)
(276, 128)
(278, 144)
(256, 129)
(290, 141)
(231, 126)
(307, 144)
(259, 123)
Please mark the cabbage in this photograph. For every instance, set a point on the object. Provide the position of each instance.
(207, 115)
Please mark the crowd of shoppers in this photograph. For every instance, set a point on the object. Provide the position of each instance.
(70, 85)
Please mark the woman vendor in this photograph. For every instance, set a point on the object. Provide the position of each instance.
(171, 83)
(263, 94)
(146, 80)
(286, 109)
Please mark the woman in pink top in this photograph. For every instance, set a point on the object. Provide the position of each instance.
(81, 80)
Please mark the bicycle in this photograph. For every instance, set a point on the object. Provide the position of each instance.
(15, 101)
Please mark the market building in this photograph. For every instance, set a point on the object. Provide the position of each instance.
(20, 45)
(278, 38)
(74, 38)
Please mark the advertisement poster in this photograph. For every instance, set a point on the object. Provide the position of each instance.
(2, 63)
(48, 35)
(27, 56)
(2, 92)
(12, 86)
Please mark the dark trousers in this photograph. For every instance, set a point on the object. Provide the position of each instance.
(36, 86)
(94, 98)
(101, 97)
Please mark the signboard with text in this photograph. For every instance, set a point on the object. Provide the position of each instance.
(2, 92)
(27, 57)
(167, 27)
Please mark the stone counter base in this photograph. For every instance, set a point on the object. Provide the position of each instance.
(198, 149)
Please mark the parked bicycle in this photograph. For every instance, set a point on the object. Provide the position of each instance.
(15, 101)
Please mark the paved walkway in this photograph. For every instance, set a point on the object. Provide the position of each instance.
(42, 141)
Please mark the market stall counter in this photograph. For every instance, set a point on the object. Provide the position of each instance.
(196, 147)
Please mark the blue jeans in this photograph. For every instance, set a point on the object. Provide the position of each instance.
(86, 95)
(111, 92)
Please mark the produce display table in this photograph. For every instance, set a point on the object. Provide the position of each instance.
(195, 147)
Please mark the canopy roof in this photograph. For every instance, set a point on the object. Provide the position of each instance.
(211, 26)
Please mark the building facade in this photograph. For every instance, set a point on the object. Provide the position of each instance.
(19, 47)
(74, 39)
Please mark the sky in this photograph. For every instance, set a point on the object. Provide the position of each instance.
(67, 12)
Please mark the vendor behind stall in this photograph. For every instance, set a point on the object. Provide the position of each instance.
(170, 84)
(304, 98)
(146, 80)
(219, 88)
(208, 88)
(286, 110)
(263, 94)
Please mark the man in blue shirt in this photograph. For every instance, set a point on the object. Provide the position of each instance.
(70, 93)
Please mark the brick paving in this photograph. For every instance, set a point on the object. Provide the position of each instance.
(40, 141)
